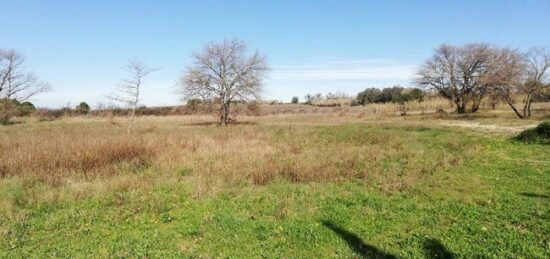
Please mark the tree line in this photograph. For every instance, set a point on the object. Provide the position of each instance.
(396, 94)
(225, 72)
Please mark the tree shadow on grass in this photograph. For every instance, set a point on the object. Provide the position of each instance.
(356, 243)
(535, 195)
(8, 123)
(435, 249)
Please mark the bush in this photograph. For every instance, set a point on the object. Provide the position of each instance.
(310, 99)
(82, 108)
(253, 108)
(537, 135)
(369, 95)
(49, 114)
(542, 96)
(294, 100)
(10, 108)
(26, 109)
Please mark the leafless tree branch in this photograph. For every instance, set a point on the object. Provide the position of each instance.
(15, 83)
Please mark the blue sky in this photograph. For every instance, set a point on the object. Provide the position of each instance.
(79, 47)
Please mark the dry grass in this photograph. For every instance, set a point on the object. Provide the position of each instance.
(343, 106)
(81, 152)
(54, 156)
(335, 144)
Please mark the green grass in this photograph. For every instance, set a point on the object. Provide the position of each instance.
(494, 202)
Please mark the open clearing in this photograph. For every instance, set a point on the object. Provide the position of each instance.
(327, 185)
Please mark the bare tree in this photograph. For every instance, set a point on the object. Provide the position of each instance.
(312, 98)
(458, 74)
(222, 72)
(128, 91)
(525, 75)
(15, 83)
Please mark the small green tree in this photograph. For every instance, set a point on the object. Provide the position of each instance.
(369, 95)
(416, 94)
(26, 108)
(82, 108)
(393, 94)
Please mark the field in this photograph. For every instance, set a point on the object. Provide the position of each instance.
(323, 184)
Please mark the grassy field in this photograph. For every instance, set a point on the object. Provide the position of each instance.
(310, 185)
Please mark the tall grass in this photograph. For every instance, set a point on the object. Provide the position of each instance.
(54, 156)
(213, 158)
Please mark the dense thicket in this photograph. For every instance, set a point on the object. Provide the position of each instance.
(394, 94)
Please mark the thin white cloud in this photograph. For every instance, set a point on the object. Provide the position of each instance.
(352, 70)
(348, 76)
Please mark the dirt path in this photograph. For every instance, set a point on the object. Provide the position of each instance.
(486, 127)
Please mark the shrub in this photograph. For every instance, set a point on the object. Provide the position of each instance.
(253, 108)
(310, 99)
(537, 135)
(194, 102)
(26, 108)
(294, 100)
(369, 95)
(83, 108)
(415, 94)
(393, 94)
(49, 114)
(543, 95)
(8, 109)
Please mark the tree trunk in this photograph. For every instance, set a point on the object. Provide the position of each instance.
(511, 104)
(227, 114)
(224, 114)
(460, 107)
(132, 118)
(527, 106)
(477, 103)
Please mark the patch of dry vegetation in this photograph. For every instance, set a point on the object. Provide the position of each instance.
(51, 157)
(211, 158)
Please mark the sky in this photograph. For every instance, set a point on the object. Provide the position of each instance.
(79, 47)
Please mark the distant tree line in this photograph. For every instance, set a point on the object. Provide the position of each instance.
(396, 94)
(330, 99)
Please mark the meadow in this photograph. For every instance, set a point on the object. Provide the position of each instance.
(310, 182)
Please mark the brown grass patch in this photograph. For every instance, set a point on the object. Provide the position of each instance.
(294, 148)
